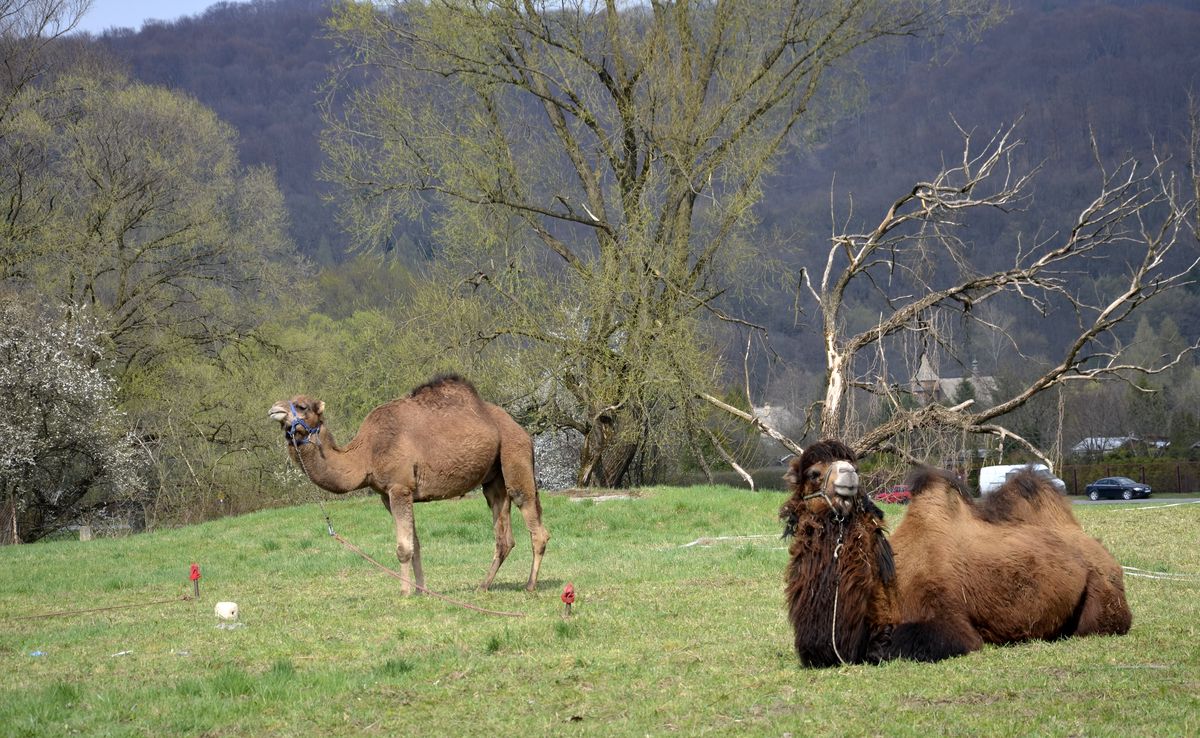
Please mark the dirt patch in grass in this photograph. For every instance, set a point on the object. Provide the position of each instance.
(979, 698)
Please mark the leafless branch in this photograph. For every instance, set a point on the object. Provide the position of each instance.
(755, 421)
(728, 457)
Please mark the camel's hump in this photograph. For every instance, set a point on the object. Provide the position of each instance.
(443, 385)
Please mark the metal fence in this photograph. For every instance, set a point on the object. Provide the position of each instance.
(1162, 476)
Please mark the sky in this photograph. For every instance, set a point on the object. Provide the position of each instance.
(130, 13)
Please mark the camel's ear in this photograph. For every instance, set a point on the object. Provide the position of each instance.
(320, 407)
(792, 475)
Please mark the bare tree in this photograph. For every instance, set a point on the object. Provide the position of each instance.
(30, 37)
(28, 30)
(1193, 151)
(923, 272)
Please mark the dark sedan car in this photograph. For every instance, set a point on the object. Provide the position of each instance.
(1122, 487)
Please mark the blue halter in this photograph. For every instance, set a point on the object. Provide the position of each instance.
(309, 433)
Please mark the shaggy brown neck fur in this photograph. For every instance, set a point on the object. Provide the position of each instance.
(834, 577)
(840, 579)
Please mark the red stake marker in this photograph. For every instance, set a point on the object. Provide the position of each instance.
(195, 577)
(568, 598)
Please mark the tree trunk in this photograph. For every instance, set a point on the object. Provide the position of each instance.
(836, 388)
(605, 459)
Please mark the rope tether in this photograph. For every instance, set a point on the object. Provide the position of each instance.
(181, 598)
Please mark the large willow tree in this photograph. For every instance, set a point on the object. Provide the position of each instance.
(590, 170)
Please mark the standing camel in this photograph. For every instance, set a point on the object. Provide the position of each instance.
(438, 442)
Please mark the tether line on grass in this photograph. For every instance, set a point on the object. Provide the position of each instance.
(1133, 571)
(181, 598)
(710, 540)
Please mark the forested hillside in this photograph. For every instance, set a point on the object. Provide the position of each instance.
(260, 66)
(1120, 70)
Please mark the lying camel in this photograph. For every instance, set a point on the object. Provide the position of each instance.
(956, 574)
(440, 441)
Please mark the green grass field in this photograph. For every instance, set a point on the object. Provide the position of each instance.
(665, 638)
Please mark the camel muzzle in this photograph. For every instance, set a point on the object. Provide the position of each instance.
(277, 414)
(844, 479)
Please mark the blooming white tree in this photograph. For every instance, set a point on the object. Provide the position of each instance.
(63, 436)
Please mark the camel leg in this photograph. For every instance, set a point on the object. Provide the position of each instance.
(400, 502)
(416, 561)
(935, 639)
(522, 488)
(531, 510)
(500, 503)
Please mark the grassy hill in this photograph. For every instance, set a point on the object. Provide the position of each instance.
(666, 638)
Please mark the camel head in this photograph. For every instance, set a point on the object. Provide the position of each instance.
(825, 477)
(300, 418)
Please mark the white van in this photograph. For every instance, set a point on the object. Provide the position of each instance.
(991, 477)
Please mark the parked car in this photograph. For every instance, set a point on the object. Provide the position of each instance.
(991, 477)
(1122, 487)
(897, 494)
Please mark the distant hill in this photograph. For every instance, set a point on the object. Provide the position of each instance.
(1120, 70)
